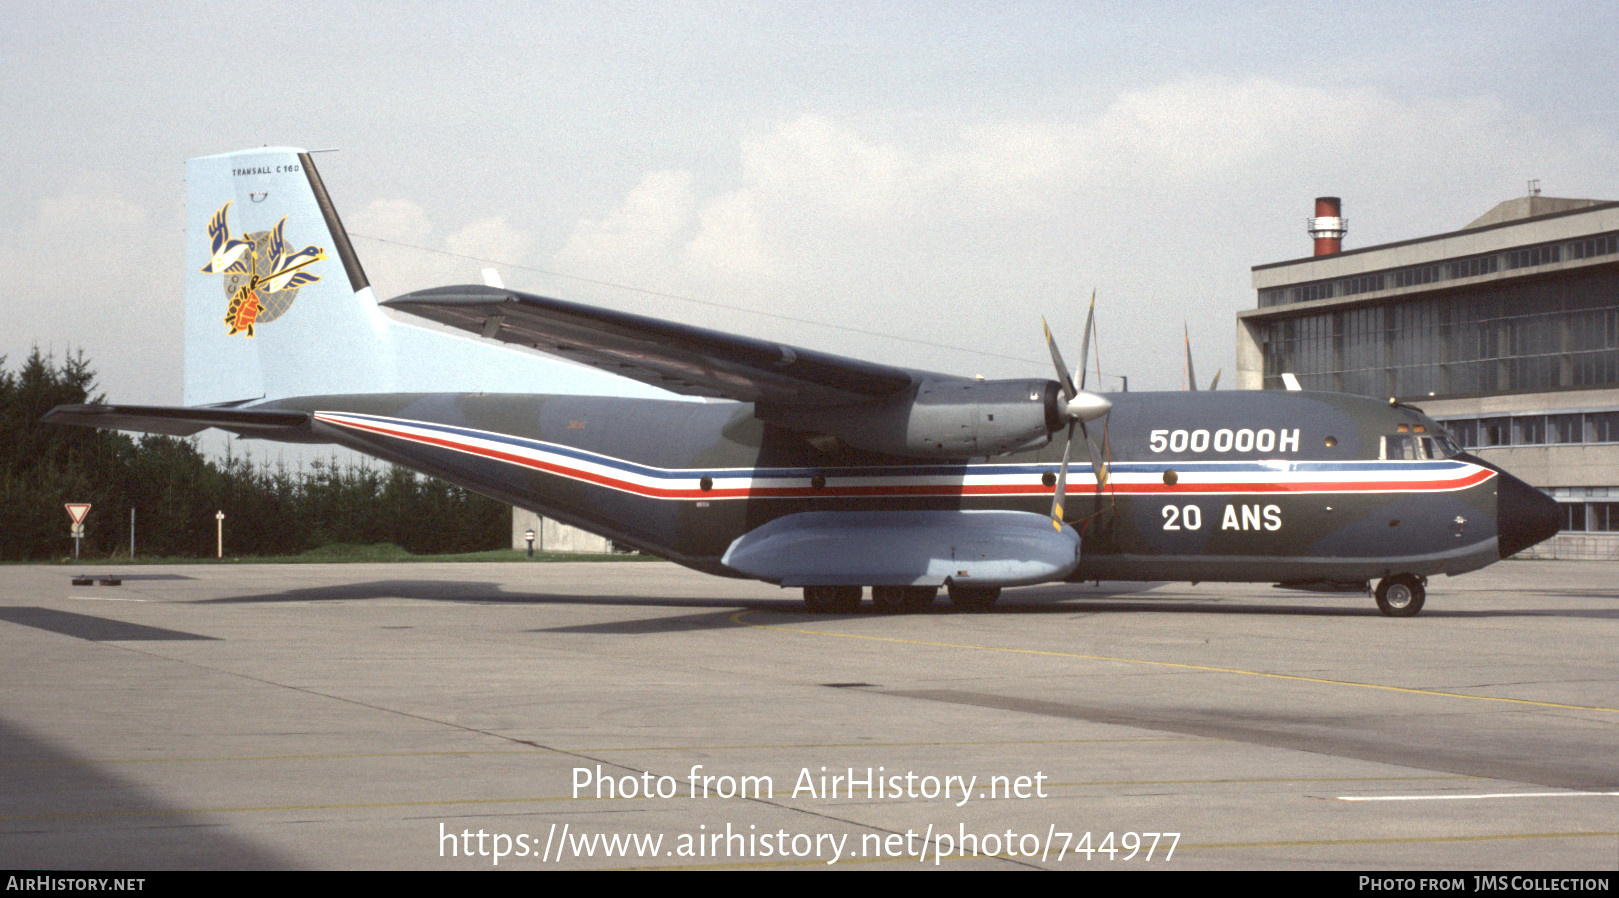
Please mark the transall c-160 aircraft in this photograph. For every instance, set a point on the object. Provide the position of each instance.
(749, 458)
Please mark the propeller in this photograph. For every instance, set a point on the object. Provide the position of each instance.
(1191, 376)
(1080, 406)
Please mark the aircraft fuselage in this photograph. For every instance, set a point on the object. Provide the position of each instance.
(1202, 486)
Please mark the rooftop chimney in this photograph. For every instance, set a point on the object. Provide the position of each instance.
(1327, 227)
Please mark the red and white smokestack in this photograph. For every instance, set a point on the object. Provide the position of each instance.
(1328, 227)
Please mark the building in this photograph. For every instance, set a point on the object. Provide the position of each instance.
(555, 536)
(1506, 330)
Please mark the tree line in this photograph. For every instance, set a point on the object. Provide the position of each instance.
(176, 491)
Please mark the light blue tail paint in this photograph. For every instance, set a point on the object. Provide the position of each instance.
(278, 305)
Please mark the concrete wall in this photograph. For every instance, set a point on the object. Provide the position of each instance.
(1576, 547)
(551, 536)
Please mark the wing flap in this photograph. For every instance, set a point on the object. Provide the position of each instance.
(680, 358)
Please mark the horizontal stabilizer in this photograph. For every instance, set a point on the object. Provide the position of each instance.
(182, 421)
(679, 358)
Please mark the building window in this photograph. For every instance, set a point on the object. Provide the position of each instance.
(1602, 427)
(1565, 429)
(1420, 274)
(1531, 256)
(1312, 292)
(1525, 336)
(1600, 245)
(1529, 430)
(1465, 432)
(1602, 516)
(1494, 432)
(1476, 266)
(1573, 516)
(1366, 283)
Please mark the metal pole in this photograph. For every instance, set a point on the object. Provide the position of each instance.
(220, 550)
(131, 532)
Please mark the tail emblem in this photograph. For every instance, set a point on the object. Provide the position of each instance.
(261, 278)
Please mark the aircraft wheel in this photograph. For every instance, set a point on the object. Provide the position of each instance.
(888, 599)
(974, 598)
(831, 599)
(1401, 595)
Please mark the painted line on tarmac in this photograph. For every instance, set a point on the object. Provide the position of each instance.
(737, 618)
(794, 746)
(1477, 796)
(1401, 840)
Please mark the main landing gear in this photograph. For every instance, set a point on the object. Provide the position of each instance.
(831, 599)
(888, 599)
(1401, 595)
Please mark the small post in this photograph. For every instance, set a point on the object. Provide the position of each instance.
(529, 535)
(220, 550)
(131, 533)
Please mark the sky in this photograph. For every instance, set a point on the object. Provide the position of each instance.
(909, 183)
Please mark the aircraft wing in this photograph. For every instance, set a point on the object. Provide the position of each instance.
(682, 359)
(181, 421)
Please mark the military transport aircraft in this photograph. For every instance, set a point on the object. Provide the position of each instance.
(797, 467)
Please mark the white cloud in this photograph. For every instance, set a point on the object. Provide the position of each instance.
(491, 239)
(641, 235)
(1161, 200)
(396, 219)
(90, 271)
(400, 251)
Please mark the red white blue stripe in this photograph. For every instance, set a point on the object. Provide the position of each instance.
(1271, 476)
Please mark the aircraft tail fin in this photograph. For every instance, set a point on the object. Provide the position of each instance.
(277, 303)
(278, 306)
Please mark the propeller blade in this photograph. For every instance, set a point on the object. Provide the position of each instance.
(1058, 495)
(1063, 379)
(1080, 406)
(1085, 345)
(1191, 375)
(1098, 464)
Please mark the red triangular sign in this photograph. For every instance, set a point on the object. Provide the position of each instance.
(77, 510)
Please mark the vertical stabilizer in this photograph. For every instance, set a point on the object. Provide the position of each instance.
(278, 306)
(276, 301)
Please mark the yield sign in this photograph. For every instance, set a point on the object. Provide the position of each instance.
(77, 510)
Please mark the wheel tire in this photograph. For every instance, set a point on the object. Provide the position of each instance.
(831, 599)
(1401, 595)
(889, 599)
(974, 598)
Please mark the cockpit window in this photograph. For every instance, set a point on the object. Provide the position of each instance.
(1400, 446)
(1448, 445)
(1418, 446)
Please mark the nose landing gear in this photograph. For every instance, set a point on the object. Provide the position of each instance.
(1400, 595)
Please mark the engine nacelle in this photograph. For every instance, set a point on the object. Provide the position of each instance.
(940, 419)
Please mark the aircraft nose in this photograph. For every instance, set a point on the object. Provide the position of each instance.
(1524, 515)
